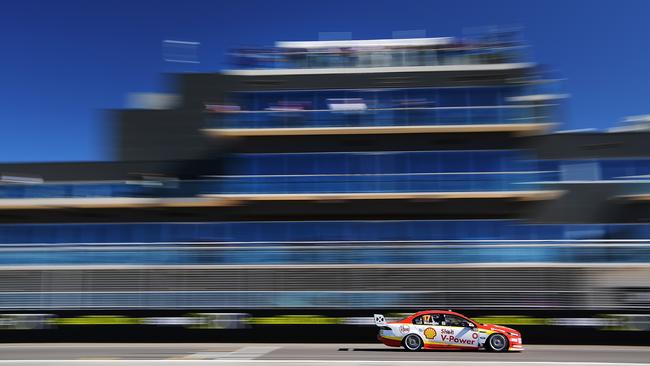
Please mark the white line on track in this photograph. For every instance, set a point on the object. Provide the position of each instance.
(249, 362)
(244, 353)
(249, 353)
(205, 355)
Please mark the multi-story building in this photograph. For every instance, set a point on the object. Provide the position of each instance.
(400, 173)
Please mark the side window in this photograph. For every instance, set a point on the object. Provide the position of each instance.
(429, 319)
(423, 320)
(456, 321)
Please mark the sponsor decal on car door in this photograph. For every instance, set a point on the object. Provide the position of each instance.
(456, 335)
(459, 336)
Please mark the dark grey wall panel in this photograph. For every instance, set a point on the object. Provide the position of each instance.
(160, 135)
(594, 145)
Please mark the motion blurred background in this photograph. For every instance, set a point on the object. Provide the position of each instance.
(281, 171)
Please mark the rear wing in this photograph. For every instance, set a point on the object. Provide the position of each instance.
(380, 320)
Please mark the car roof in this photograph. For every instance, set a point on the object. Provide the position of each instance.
(437, 311)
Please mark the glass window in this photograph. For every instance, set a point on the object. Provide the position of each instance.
(642, 167)
(180, 232)
(271, 231)
(487, 161)
(330, 163)
(548, 165)
(368, 163)
(353, 163)
(580, 171)
(270, 164)
(423, 162)
(453, 97)
(301, 164)
(389, 231)
(423, 97)
(305, 231)
(241, 164)
(549, 232)
(388, 163)
(211, 232)
(330, 231)
(616, 169)
(456, 321)
(240, 231)
(622, 232)
(587, 231)
(45, 234)
(487, 230)
(455, 161)
(484, 96)
(428, 319)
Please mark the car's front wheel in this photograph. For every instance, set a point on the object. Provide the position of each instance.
(412, 342)
(497, 343)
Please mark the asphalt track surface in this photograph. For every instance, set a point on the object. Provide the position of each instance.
(306, 354)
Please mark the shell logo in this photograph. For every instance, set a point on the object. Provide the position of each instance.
(430, 333)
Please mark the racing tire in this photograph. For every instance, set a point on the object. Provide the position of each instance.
(497, 343)
(412, 342)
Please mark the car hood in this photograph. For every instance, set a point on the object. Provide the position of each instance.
(500, 328)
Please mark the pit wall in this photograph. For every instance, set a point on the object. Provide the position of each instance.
(300, 326)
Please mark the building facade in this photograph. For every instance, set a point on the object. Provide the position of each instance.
(348, 175)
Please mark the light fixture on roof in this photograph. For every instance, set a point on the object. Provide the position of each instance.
(180, 51)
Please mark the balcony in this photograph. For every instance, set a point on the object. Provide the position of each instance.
(235, 189)
(309, 57)
(380, 183)
(419, 186)
(330, 253)
(524, 119)
(101, 195)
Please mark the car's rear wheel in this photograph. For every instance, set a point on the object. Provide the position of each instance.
(412, 342)
(497, 343)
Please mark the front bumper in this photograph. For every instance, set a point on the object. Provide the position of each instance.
(515, 343)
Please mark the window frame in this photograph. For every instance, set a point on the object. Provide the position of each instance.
(420, 316)
(468, 321)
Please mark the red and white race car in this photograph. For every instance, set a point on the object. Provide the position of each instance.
(438, 329)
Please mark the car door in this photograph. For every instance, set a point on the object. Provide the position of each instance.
(428, 327)
(458, 331)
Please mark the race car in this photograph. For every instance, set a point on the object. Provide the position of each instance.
(439, 329)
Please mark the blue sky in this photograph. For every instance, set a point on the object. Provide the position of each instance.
(64, 62)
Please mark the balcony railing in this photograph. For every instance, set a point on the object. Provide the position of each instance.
(342, 252)
(48, 190)
(287, 184)
(360, 299)
(97, 189)
(378, 183)
(323, 58)
(430, 116)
